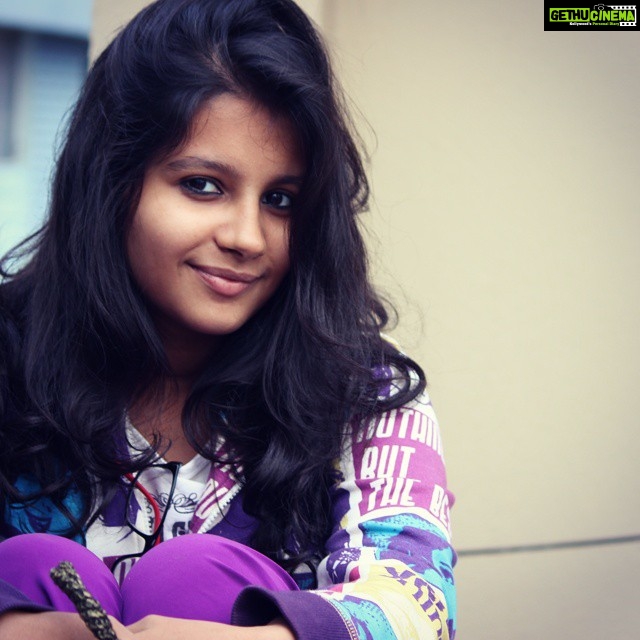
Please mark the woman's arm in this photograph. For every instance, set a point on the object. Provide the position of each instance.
(54, 625)
(161, 628)
(45, 625)
(390, 563)
(388, 572)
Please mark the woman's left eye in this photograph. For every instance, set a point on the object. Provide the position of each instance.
(201, 186)
(278, 200)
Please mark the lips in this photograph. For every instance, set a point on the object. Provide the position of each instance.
(225, 282)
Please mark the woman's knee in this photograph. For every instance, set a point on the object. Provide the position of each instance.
(197, 576)
(26, 562)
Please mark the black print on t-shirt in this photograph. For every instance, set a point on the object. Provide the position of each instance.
(181, 502)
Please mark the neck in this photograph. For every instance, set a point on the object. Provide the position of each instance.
(158, 414)
(188, 361)
(188, 352)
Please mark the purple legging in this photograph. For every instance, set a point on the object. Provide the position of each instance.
(195, 576)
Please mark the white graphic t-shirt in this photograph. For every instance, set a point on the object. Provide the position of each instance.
(108, 538)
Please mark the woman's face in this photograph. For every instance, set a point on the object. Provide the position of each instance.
(209, 242)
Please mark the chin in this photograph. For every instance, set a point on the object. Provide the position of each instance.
(221, 329)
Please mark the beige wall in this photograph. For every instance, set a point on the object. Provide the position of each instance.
(506, 224)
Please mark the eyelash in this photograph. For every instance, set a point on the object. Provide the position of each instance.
(188, 185)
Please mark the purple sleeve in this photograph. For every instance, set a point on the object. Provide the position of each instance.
(310, 616)
(388, 570)
(13, 600)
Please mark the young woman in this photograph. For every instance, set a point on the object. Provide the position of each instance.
(191, 345)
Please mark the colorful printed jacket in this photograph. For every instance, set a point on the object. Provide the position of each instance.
(387, 573)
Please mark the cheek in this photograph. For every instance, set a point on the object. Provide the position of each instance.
(152, 242)
(280, 244)
(146, 254)
(136, 250)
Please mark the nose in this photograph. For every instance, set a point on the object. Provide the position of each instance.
(240, 231)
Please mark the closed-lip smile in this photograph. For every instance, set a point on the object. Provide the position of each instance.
(227, 274)
(225, 282)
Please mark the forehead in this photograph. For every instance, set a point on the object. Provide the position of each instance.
(234, 126)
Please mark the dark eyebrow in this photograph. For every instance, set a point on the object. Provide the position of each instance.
(197, 162)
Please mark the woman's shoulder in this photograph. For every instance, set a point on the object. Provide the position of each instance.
(402, 399)
(403, 419)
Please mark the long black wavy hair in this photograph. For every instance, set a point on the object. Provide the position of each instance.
(76, 339)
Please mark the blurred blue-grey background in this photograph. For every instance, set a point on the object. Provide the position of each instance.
(43, 60)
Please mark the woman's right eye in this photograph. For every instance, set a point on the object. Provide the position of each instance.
(200, 186)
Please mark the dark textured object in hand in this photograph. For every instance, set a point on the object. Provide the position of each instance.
(90, 610)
